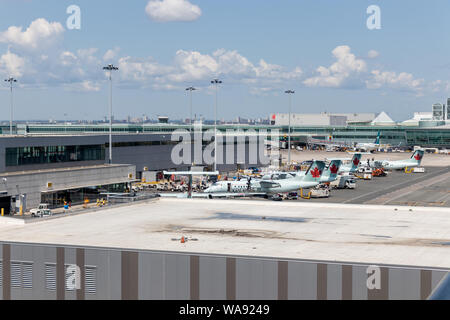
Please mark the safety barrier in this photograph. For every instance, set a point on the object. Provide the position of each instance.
(307, 197)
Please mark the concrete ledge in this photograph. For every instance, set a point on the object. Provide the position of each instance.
(83, 211)
(11, 221)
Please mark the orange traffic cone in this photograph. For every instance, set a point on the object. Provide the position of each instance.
(183, 240)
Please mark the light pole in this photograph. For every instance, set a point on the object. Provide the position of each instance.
(190, 89)
(110, 68)
(216, 82)
(11, 80)
(290, 93)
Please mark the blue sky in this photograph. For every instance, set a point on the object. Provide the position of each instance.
(258, 48)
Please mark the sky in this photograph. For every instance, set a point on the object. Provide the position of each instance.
(327, 51)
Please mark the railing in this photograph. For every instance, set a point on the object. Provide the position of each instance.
(113, 199)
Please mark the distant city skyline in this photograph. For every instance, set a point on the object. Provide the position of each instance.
(322, 49)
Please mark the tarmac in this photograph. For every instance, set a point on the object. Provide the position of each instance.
(429, 189)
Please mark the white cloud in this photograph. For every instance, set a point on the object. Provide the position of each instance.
(141, 71)
(39, 35)
(346, 66)
(372, 54)
(111, 54)
(12, 65)
(67, 58)
(403, 80)
(172, 10)
(193, 67)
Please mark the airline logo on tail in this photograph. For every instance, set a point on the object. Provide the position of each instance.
(331, 172)
(334, 169)
(315, 171)
(355, 161)
(418, 155)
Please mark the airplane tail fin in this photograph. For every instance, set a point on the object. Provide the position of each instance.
(417, 156)
(331, 172)
(355, 161)
(315, 171)
(377, 140)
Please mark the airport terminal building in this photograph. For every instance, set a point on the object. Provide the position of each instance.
(424, 133)
(53, 167)
(45, 161)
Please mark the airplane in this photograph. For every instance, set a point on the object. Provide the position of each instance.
(414, 161)
(368, 147)
(290, 183)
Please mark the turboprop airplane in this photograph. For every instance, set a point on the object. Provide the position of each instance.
(268, 187)
(412, 162)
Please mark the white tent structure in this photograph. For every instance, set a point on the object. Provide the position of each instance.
(383, 120)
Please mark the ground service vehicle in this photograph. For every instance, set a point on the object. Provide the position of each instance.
(41, 211)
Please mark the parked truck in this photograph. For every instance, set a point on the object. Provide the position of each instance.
(41, 211)
(344, 182)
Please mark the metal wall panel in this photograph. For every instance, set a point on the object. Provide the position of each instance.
(359, 282)
(256, 279)
(213, 278)
(165, 275)
(302, 284)
(177, 276)
(39, 255)
(404, 284)
(151, 276)
(334, 282)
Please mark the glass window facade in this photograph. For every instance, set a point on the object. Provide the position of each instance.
(53, 154)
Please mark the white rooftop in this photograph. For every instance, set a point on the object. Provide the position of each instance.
(383, 119)
(316, 231)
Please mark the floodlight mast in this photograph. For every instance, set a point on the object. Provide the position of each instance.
(290, 93)
(11, 80)
(190, 89)
(215, 82)
(110, 68)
